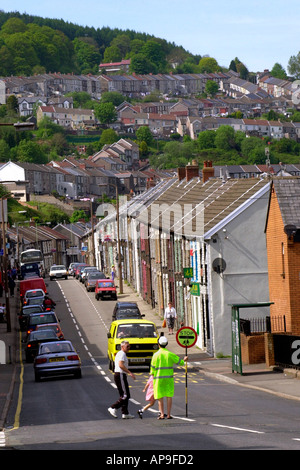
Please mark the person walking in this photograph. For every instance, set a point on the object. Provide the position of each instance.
(113, 272)
(162, 369)
(11, 285)
(120, 378)
(170, 316)
(149, 396)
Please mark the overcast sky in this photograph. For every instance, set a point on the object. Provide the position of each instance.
(259, 33)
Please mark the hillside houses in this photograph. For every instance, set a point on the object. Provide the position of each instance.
(74, 118)
(251, 127)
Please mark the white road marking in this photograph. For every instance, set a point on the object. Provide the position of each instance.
(237, 429)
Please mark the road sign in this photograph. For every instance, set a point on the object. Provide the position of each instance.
(186, 337)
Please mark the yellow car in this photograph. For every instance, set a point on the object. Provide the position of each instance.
(142, 336)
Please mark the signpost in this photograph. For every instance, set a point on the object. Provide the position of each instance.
(186, 337)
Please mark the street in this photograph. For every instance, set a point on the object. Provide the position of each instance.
(71, 414)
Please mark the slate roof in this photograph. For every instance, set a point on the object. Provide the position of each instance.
(288, 196)
(194, 208)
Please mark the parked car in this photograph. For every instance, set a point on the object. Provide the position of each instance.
(85, 271)
(142, 336)
(56, 358)
(71, 268)
(36, 301)
(78, 269)
(74, 267)
(35, 339)
(26, 310)
(124, 310)
(105, 288)
(30, 284)
(91, 279)
(58, 271)
(38, 318)
(34, 295)
(30, 270)
(52, 326)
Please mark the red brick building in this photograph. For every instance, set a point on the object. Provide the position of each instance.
(283, 249)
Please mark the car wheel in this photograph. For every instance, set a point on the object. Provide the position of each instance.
(77, 374)
(51, 278)
(111, 365)
(97, 297)
(66, 277)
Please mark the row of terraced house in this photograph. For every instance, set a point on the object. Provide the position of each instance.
(205, 243)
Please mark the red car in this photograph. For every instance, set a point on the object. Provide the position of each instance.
(105, 288)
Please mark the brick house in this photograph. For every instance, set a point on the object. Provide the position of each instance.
(283, 251)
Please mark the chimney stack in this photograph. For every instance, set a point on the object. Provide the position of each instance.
(150, 183)
(192, 170)
(181, 173)
(207, 171)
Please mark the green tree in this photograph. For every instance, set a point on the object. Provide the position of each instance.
(211, 87)
(208, 65)
(28, 151)
(153, 51)
(142, 65)
(105, 113)
(112, 97)
(206, 140)
(108, 137)
(87, 57)
(225, 138)
(294, 65)
(123, 43)
(278, 71)
(112, 54)
(4, 151)
(143, 134)
(78, 215)
(232, 66)
(12, 104)
(47, 128)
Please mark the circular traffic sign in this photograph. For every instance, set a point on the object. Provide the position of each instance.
(186, 337)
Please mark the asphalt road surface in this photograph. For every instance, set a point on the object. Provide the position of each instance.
(71, 414)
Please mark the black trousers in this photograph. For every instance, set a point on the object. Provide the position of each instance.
(122, 385)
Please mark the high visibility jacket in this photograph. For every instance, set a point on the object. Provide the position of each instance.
(163, 373)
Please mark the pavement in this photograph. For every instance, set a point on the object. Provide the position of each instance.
(281, 382)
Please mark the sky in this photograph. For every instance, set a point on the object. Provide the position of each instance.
(259, 33)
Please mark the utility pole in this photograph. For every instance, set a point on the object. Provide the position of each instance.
(119, 243)
(7, 307)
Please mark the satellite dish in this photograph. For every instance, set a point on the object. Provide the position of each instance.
(219, 265)
(290, 230)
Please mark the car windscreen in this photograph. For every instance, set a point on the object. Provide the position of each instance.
(35, 301)
(125, 312)
(95, 275)
(136, 330)
(55, 348)
(33, 309)
(34, 293)
(45, 318)
(42, 334)
(105, 284)
(58, 268)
